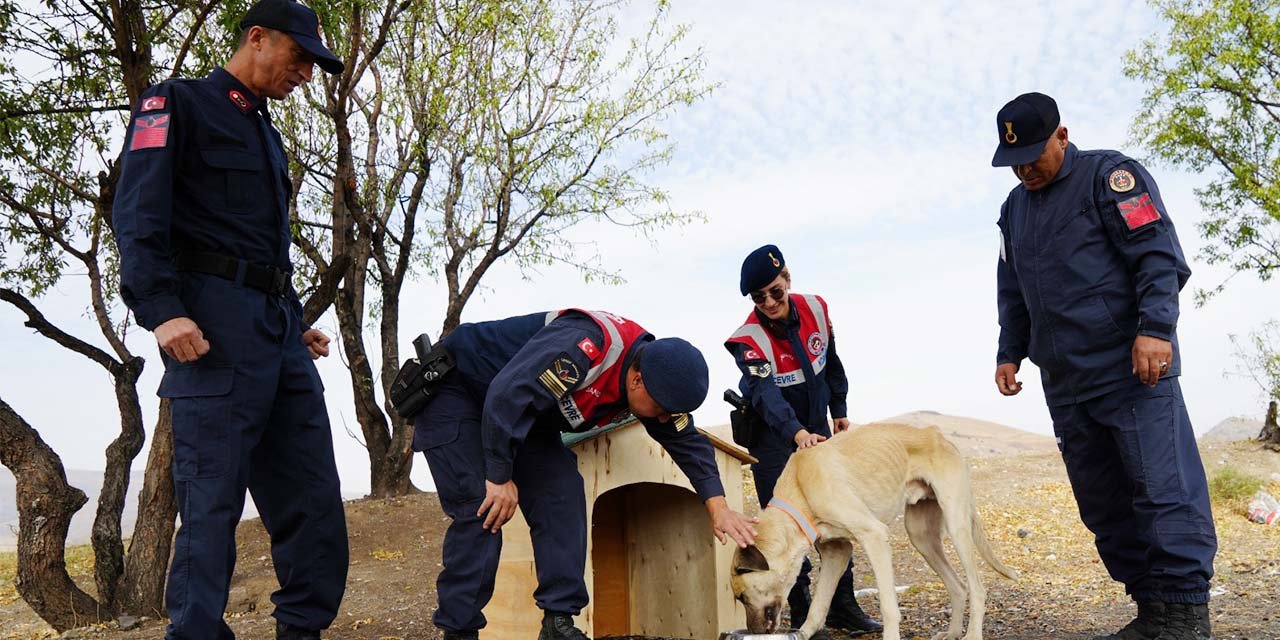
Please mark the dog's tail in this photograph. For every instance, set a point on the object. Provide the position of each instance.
(984, 547)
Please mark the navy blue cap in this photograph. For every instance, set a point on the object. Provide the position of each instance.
(297, 20)
(1025, 125)
(760, 268)
(675, 374)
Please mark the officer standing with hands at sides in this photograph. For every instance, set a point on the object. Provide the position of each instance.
(1088, 280)
(201, 220)
(791, 377)
(491, 435)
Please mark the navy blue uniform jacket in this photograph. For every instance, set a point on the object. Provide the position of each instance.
(500, 361)
(787, 410)
(203, 171)
(1085, 267)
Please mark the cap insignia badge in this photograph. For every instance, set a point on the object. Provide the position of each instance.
(776, 263)
(1009, 135)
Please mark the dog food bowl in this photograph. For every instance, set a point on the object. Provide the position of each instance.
(743, 634)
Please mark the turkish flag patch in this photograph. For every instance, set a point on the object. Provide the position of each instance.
(154, 103)
(751, 354)
(1139, 212)
(588, 347)
(150, 132)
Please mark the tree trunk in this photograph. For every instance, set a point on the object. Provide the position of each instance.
(1270, 436)
(45, 506)
(108, 543)
(141, 589)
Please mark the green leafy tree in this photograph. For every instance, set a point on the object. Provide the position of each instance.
(1213, 103)
(477, 131)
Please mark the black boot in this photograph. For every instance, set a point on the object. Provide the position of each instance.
(461, 635)
(285, 631)
(1146, 626)
(846, 615)
(1186, 622)
(798, 600)
(559, 626)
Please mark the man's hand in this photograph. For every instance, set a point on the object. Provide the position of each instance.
(182, 339)
(727, 522)
(1152, 358)
(804, 439)
(1007, 379)
(317, 343)
(840, 425)
(500, 500)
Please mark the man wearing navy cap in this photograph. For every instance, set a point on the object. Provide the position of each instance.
(1088, 280)
(201, 219)
(792, 376)
(491, 435)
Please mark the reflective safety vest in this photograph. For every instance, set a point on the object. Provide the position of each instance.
(764, 345)
(601, 387)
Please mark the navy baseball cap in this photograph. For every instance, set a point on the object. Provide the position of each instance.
(760, 268)
(675, 374)
(297, 20)
(1025, 125)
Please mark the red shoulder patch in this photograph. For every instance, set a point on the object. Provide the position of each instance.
(752, 354)
(1139, 212)
(588, 347)
(154, 103)
(150, 132)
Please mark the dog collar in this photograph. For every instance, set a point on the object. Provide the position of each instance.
(802, 521)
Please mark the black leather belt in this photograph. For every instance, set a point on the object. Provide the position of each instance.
(267, 279)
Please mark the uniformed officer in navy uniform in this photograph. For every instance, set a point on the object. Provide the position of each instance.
(792, 376)
(1088, 276)
(492, 437)
(201, 219)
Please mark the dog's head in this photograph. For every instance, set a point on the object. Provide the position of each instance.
(759, 589)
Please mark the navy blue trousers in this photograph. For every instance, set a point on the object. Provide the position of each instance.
(1135, 469)
(552, 500)
(251, 414)
(766, 473)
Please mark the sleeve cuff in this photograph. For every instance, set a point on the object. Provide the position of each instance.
(156, 311)
(839, 410)
(1161, 330)
(1010, 356)
(497, 472)
(791, 429)
(708, 488)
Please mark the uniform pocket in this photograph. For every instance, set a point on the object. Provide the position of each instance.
(201, 404)
(456, 457)
(233, 175)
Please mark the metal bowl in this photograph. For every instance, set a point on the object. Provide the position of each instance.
(743, 634)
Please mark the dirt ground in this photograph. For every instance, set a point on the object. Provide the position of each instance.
(1064, 591)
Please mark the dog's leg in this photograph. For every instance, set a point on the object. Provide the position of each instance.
(874, 537)
(957, 511)
(835, 560)
(924, 527)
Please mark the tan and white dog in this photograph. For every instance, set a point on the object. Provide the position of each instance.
(849, 488)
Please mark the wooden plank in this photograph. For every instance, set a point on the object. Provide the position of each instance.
(512, 612)
(673, 580)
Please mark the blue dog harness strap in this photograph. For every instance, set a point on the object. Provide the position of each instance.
(801, 520)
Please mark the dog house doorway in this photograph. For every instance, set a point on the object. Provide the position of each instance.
(653, 563)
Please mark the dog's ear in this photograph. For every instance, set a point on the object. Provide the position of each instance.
(749, 560)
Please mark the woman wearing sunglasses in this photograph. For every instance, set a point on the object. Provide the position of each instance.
(791, 376)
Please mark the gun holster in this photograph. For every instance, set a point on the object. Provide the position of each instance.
(744, 421)
(419, 377)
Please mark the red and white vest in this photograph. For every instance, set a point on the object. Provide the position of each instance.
(815, 329)
(602, 384)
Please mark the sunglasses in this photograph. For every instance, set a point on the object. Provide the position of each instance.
(777, 293)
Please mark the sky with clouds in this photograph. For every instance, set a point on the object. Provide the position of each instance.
(855, 136)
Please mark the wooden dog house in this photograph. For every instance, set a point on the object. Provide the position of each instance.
(653, 566)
